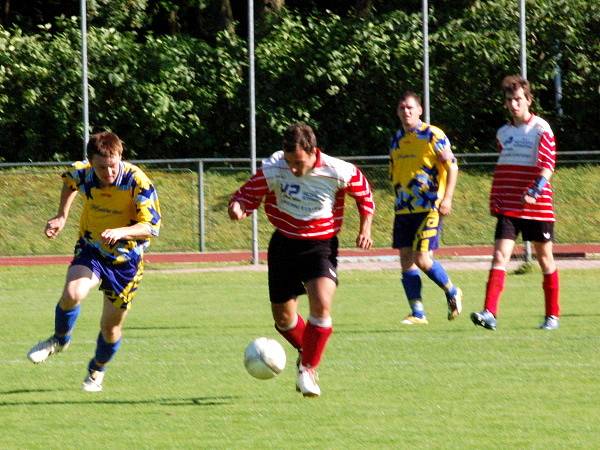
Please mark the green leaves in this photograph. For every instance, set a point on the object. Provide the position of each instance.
(175, 95)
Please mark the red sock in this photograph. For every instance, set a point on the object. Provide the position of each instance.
(551, 290)
(294, 335)
(494, 288)
(313, 345)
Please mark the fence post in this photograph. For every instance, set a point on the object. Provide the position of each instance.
(201, 217)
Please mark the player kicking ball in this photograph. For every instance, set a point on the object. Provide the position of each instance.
(120, 214)
(304, 193)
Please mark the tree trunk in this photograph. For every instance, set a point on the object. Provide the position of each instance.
(226, 15)
(5, 12)
(362, 8)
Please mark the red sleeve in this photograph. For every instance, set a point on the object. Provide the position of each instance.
(358, 188)
(546, 151)
(252, 191)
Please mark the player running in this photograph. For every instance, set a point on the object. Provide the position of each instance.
(423, 172)
(521, 199)
(304, 192)
(120, 214)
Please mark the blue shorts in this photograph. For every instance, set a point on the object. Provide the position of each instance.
(420, 231)
(119, 282)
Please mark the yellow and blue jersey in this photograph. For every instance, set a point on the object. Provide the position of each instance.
(129, 200)
(419, 162)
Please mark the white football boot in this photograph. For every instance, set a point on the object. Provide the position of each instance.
(550, 323)
(41, 351)
(93, 382)
(307, 382)
(455, 304)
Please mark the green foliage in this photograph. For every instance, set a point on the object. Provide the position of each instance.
(177, 95)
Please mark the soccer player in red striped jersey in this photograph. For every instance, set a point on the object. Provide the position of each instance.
(522, 200)
(304, 191)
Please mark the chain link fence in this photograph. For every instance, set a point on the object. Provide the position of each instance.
(194, 194)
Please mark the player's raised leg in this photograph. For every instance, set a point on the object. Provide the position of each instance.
(108, 343)
(80, 279)
(436, 273)
(289, 323)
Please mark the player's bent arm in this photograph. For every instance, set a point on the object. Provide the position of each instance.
(446, 204)
(140, 230)
(364, 240)
(535, 190)
(55, 225)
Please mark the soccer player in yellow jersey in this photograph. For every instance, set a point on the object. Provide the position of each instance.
(423, 172)
(120, 214)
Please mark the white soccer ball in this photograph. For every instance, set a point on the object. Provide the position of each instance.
(264, 358)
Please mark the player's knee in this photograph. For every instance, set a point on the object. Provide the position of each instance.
(72, 296)
(499, 258)
(283, 321)
(110, 333)
(423, 261)
(546, 263)
(320, 310)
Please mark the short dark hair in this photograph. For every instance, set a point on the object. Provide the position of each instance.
(410, 94)
(299, 134)
(511, 83)
(104, 144)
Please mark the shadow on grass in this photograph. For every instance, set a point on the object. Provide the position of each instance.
(25, 391)
(192, 401)
(187, 327)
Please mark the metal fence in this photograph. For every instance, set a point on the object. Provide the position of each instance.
(194, 194)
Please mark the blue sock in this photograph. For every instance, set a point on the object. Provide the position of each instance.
(64, 321)
(104, 353)
(411, 281)
(439, 276)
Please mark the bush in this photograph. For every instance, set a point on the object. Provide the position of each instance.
(179, 96)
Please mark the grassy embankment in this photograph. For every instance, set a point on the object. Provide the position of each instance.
(29, 198)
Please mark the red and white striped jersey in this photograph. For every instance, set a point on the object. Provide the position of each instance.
(307, 207)
(524, 151)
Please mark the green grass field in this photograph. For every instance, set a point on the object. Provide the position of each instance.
(179, 382)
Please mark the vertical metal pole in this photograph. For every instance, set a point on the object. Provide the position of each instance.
(255, 256)
(558, 95)
(426, 59)
(522, 32)
(201, 207)
(84, 67)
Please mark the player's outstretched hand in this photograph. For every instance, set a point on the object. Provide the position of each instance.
(236, 211)
(54, 226)
(363, 241)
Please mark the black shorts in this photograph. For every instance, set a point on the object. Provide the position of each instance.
(532, 230)
(293, 262)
